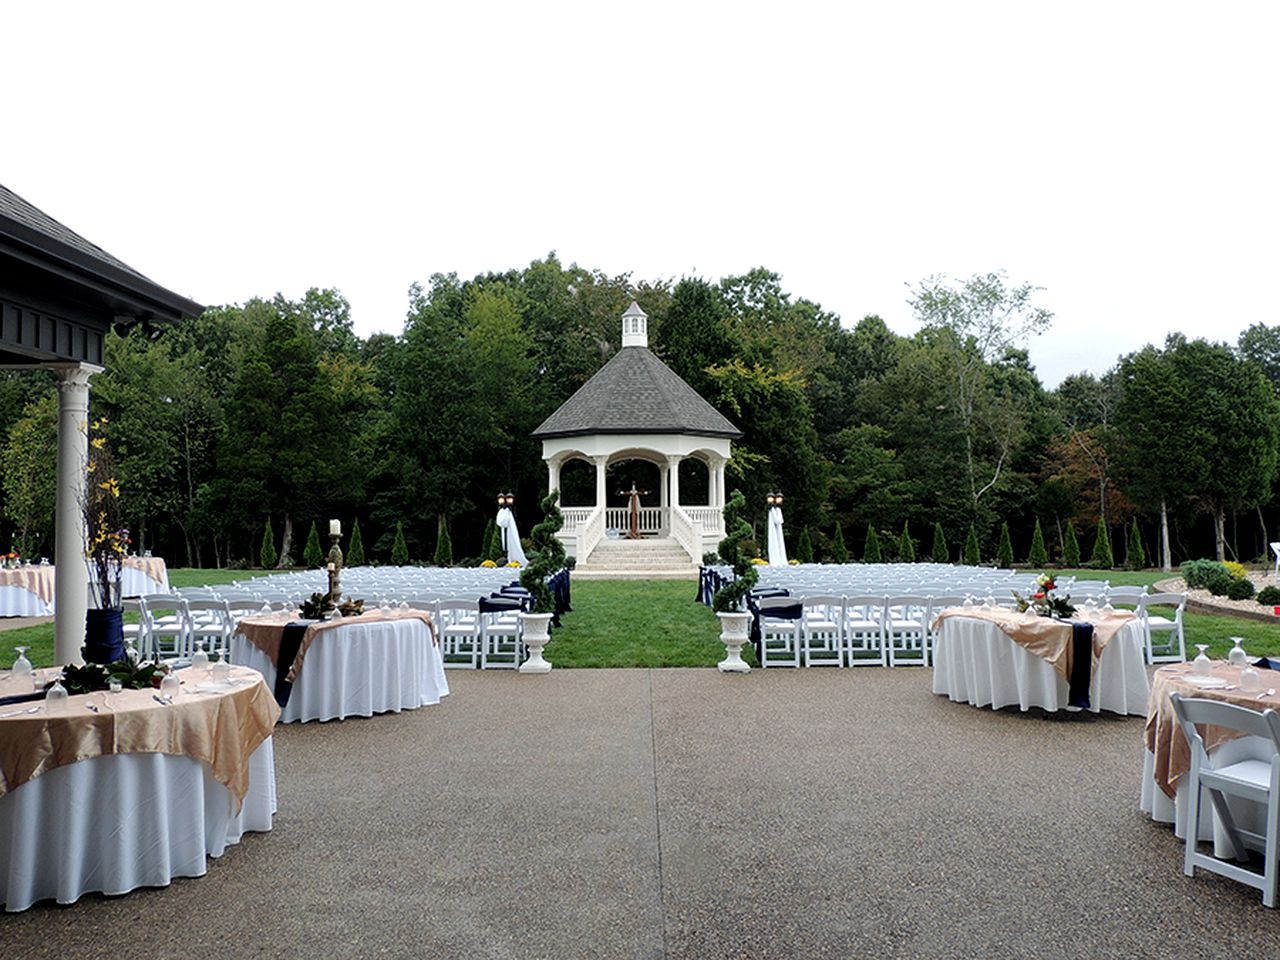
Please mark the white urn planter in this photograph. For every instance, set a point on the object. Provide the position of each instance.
(734, 630)
(535, 630)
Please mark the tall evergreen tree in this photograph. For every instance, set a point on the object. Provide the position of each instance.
(906, 546)
(939, 553)
(399, 550)
(804, 546)
(839, 552)
(1135, 556)
(1004, 550)
(871, 551)
(972, 554)
(444, 548)
(267, 556)
(1102, 558)
(1070, 548)
(355, 548)
(1038, 556)
(312, 554)
(486, 539)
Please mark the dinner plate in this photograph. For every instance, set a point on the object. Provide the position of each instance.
(1208, 683)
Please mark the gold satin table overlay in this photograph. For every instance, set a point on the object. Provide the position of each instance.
(267, 630)
(33, 579)
(1164, 736)
(1045, 637)
(219, 729)
(153, 567)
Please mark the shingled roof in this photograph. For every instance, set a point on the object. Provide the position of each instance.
(635, 392)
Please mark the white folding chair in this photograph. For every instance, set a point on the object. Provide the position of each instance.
(500, 643)
(211, 622)
(780, 637)
(458, 623)
(1175, 648)
(168, 624)
(822, 630)
(1253, 780)
(936, 606)
(1125, 594)
(864, 644)
(906, 630)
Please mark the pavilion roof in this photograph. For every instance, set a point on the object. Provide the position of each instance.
(635, 392)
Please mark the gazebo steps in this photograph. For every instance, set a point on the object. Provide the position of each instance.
(648, 559)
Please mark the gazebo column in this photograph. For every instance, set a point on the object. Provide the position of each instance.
(663, 501)
(601, 463)
(673, 470)
(553, 476)
(71, 586)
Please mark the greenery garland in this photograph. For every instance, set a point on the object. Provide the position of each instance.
(546, 557)
(730, 596)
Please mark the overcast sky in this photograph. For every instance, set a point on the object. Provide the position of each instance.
(1121, 155)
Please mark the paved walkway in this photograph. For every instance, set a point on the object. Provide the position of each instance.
(679, 813)
(13, 623)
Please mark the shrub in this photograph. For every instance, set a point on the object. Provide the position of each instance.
(1196, 573)
(1239, 589)
(444, 548)
(355, 549)
(1218, 582)
(752, 548)
(267, 556)
(399, 550)
(1102, 558)
(710, 559)
(804, 546)
(906, 546)
(972, 555)
(939, 553)
(733, 549)
(546, 554)
(839, 552)
(1135, 557)
(486, 539)
(1004, 551)
(1237, 570)
(1038, 556)
(871, 551)
(1070, 547)
(312, 554)
(1269, 596)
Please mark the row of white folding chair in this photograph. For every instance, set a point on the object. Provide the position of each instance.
(470, 638)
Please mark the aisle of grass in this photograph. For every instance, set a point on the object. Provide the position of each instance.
(636, 623)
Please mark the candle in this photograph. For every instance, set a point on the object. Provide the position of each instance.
(331, 567)
(335, 528)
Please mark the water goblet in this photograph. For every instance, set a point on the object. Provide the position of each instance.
(404, 606)
(114, 686)
(1236, 656)
(1250, 679)
(1202, 665)
(22, 666)
(200, 659)
(170, 686)
(55, 700)
(221, 671)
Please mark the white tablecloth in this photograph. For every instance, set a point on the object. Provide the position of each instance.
(976, 662)
(114, 823)
(17, 602)
(135, 583)
(358, 670)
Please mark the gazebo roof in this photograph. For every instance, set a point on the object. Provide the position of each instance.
(60, 294)
(635, 392)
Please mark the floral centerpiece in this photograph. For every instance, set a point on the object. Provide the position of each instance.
(12, 559)
(107, 544)
(1044, 601)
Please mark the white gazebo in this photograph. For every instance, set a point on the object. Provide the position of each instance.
(637, 408)
(60, 297)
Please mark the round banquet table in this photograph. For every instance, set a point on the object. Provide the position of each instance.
(376, 663)
(27, 591)
(974, 661)
(108, 802)
(1166, 757)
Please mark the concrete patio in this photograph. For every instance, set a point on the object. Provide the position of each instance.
(681, 813)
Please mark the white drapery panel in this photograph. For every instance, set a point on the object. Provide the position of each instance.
(506, 522)
(777, 545)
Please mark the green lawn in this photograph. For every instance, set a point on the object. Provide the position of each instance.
(657, 623)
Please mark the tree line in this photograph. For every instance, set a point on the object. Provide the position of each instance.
(275, 414)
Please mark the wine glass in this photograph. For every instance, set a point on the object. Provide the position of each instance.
(1202, 665)
(131, 652)
(170, 686)
(55, 700)
(1250, 679)
(1237, 657)
(221, 671)
(200, 659)
(22, 666)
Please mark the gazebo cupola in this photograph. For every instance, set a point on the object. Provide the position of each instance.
(638, 408)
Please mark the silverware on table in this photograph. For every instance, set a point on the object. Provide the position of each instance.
(18, 713)
(1266, 693)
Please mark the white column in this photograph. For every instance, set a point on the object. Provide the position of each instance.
(724, 496)
(71, 587)
(673, 468)
(601, 463)
(663, 500)
(553, 475)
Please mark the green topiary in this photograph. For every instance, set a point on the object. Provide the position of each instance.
(1135, 557)
(804, 546)
(486, 539)
(312, 555)
(1101, 558)
(267, 556)
(1004, 550)
(355, 549)
(871, 551)
(1269, 596)
(906, 546)
(1070, 548)
(1240, 589)
(1038, 556)
(729, 597)
(839, 552)
(444, 548)
(399, 550)
(972, 555)
(939, 553)
(546, 555)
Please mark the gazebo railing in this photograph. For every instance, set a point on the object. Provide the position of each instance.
(649, 519)
(711, 519)
(591, 532)
(574, 517)
(687, 533)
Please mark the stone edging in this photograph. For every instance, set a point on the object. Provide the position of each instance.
(1196, 605)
